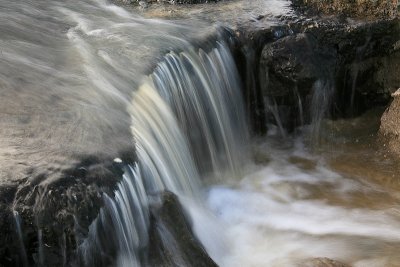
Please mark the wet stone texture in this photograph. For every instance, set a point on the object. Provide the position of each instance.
(358, 62)
(54, 215)
(172, 242)
(390, 125)
(351, 8)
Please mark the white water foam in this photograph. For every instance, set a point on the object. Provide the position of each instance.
(271, 218)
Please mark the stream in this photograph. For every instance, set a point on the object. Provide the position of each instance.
(81, 78)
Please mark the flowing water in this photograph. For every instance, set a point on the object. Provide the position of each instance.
(23, 257)
(298, 204)
(74, 80)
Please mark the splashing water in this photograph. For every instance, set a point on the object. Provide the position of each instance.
(295, 207)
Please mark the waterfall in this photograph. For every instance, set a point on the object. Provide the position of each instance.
(203, 91)
(187, 122)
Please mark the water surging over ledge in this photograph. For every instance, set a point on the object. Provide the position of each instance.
(187, 122)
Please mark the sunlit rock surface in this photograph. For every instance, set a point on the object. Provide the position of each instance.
(361, 8)
(390, 125)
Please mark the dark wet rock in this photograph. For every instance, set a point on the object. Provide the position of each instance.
(291, 67)
(8, 236)
(54, 212)
(390, 125)
(294, 61)
(322, 262)
(246, 49)
(358, 61)
(172, 242)
(361, 9)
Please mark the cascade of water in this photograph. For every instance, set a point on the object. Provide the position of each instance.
(188, 113)
(162, 149)
(203, 90)
(121, 227)
(299, 105)
(323, 91)
(18, 227)
(272, 107)
(129, 214)
(255, 80)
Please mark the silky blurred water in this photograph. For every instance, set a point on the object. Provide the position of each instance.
(338, 198)
(66, 76)
(68, 73)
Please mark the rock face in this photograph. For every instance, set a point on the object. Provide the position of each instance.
(312, 63)
(53, 215)
(390, 125)
(358, 8)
